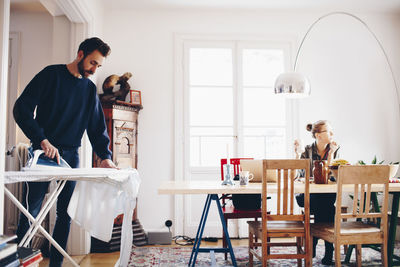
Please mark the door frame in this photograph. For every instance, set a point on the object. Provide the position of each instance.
(4, 29)
(13, 89)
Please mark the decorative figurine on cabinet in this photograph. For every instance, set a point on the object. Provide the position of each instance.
(110, 82)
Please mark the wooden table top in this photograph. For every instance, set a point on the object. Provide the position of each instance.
(215, 187)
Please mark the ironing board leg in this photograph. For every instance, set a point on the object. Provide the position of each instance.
(57, 246)
(39, 227)
(43, 213)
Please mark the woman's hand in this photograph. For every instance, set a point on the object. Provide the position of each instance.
(298, 147)
(333, 147)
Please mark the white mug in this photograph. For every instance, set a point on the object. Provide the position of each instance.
(245, 177)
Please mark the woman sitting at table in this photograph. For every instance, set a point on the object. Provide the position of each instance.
(321, 205)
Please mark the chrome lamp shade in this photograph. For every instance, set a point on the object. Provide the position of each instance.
(296, 85)
(293, 85)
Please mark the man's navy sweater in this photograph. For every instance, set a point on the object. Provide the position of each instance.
(66, 107)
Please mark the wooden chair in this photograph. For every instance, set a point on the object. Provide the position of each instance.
(358, 232)
(228, 210)
(285, 222)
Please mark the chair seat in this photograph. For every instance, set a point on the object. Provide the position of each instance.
(231, 212)
(347, 228)
(276, 227)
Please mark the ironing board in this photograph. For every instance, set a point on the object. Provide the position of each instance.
(121, 186)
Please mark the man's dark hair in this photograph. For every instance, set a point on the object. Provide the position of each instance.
(92, 44)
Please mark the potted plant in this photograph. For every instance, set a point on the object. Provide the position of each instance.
(394, 166)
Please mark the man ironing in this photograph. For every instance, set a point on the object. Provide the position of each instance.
(66, 105)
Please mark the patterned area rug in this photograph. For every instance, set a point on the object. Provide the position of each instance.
(179, 256)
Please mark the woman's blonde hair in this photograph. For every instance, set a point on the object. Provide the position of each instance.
(316, 127)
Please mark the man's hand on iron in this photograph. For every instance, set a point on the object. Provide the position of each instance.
(49, 150)
(107, 163)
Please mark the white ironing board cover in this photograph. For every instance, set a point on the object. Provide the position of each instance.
(99, 196)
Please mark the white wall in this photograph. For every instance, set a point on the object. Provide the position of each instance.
(61, 38)
(97, 14)
(351, 85)
(36, 47)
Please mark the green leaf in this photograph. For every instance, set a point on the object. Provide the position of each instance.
(381, 162)
(394, 163)
(361, 162)
(374, 160)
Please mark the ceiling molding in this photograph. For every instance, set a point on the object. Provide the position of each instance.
(76, 11)
(52, 7)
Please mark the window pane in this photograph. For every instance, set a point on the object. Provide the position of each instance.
(213, 149)
(194, 151)
(262, 66)
(275, 147)
(262, 107)
(211, 106)
(213, 131)
(263, 131)
(254, 147)
(208, 145)
(264, 142)
(210, 66)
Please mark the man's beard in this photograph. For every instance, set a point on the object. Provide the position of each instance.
(82, 71)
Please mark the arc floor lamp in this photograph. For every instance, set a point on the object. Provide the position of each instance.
(293, 84)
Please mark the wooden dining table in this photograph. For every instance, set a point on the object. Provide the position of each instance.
(213, 188)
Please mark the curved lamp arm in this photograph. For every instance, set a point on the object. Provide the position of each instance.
(303, 82)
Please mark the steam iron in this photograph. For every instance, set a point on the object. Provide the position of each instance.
(40, 162)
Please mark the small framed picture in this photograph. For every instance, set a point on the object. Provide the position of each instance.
(136, 97)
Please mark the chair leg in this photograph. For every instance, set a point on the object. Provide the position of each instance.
(344, 210)
(250, 248)
(345, 248)
(337, 254)
(264, 253)
(308, 250)
(358, 255)
(384, 254)
(265, 262)
(299, 242)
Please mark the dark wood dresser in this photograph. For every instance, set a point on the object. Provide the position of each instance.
(122, 125)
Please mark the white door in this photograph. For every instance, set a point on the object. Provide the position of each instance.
(13, 62)
(12, 162)
(229, 107)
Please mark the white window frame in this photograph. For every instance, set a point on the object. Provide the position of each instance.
(182, 133)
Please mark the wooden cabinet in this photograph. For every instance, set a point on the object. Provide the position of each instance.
(122, 124)
(122, 121)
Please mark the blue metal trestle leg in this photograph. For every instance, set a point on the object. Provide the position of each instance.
(196, 246)
(199, 234)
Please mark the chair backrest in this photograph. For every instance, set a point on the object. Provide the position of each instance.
(362, 178)
(285, 189)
